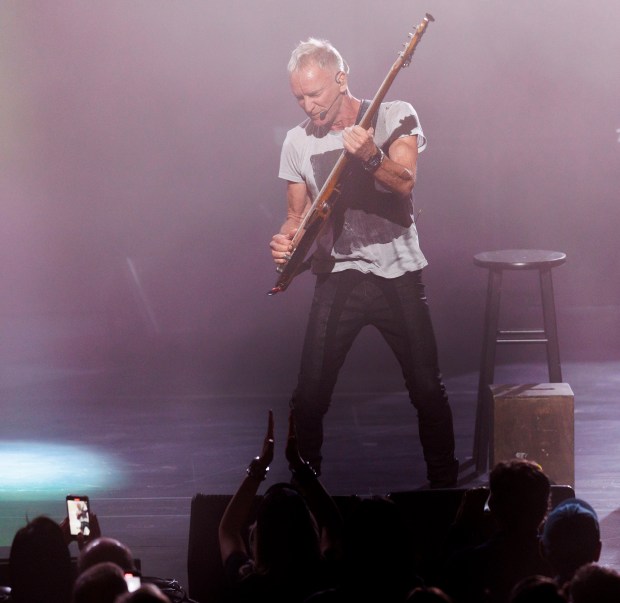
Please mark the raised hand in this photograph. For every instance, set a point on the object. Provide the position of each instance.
(259, 466)
(266, 456)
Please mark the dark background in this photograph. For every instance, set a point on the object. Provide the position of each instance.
(139, 190)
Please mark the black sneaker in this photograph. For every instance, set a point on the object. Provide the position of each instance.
(444, 478)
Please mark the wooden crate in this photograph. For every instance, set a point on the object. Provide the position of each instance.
(535, 422)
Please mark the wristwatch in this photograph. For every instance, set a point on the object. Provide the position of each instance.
(304, 472)
(257, 470)
(372, 165)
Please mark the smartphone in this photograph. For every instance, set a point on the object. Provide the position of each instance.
(78, 511)
(133, 581)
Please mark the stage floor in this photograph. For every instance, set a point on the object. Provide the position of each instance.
(141, 445)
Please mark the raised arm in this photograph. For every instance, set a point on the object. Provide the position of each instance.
(238, 509)
(320, 503)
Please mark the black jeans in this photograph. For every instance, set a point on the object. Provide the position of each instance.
(344, 303)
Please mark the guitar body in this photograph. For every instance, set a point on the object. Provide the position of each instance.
(298, 264)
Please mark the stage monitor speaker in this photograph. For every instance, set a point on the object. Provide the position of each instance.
(206, 580)
(535, 422)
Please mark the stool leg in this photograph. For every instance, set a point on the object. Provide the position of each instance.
(551, 329)
(487, 371)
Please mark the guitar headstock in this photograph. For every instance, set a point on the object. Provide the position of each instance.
(407, 53)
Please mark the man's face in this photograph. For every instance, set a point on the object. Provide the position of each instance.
(316, 91)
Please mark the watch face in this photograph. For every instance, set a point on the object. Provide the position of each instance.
(374, 162)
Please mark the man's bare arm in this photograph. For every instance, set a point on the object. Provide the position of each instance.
(298, 203)
(397, 171)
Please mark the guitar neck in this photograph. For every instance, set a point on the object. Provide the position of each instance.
(321, 206)
(402, 61)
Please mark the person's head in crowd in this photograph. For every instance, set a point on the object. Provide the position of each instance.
(571, 537)
(100, 583)
(593, 583)
(519, 495)
(537, 589)
(285, 532)
(106, 549)
(40, 564)
(428, 594)
(147, 593)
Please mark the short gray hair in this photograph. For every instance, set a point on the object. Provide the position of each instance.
(317, 51)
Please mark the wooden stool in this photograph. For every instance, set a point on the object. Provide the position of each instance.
(496, 262)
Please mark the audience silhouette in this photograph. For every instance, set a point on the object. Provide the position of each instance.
(571, 538)
(41, 569)
(295, 536)
(537, 589)
(593, 583)
(106, 549)
(40, 564)
(100, 583)
(292, 545)
(518, 502)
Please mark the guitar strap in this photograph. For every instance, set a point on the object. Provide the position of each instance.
(362, 111)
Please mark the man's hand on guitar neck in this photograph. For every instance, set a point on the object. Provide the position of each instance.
(359, 142)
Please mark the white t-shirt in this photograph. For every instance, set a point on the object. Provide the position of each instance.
(370, 228)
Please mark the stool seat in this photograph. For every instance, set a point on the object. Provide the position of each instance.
(496, 262)
(519, 259)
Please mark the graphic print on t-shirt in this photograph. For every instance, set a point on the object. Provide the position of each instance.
(362, 214)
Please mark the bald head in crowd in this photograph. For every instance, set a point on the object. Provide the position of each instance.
(106, 549)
